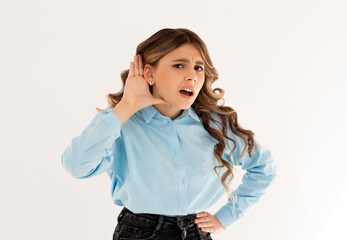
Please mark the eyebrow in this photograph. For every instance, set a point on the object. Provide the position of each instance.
(186, 60)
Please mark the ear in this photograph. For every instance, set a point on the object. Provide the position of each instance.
(148, 73)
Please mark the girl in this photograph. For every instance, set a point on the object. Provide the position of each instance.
(162, 139)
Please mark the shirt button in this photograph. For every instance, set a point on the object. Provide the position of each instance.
(182, 180)
(175, 151)
(169, 123)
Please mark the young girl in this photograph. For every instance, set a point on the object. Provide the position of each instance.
(162, 139)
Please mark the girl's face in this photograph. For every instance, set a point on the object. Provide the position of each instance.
(183, 68)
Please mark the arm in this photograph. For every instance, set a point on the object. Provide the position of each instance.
(261, 172)
(90, 153)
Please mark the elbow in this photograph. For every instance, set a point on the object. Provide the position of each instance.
(67, 160)
(269, 164)
(75, 172)
(70, 166)
(272, 170)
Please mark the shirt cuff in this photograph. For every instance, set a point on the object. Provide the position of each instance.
(226, 216)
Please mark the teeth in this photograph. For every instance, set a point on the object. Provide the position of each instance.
(188, 90)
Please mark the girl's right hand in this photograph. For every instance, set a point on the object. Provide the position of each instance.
(136, 89)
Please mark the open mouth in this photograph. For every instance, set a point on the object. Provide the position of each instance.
(187, 93)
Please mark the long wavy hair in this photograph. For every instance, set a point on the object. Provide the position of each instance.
(165, 41)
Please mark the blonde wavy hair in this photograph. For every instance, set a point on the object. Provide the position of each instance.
(165, 41)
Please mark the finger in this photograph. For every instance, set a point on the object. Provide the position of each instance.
(131, 69)
(202, 219)
(140, 65)
(201, 214)
(161, 101)
(136, 70)
(205, 224)
(207, 229)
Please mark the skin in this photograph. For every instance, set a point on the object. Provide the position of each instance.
(169, 77)
(208, 223)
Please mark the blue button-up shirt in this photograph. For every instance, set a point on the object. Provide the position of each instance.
(163, 166)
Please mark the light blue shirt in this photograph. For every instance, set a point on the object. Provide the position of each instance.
(163, 166)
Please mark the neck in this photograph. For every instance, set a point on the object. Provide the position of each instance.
(167, 111)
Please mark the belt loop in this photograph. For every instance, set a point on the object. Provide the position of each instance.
(121, 214)
(184, 234)
(159, 225)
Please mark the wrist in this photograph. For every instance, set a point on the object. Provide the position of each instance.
(129, 106)
(124, 111)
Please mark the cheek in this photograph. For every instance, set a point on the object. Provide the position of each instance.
(202, 84)
(165, 89)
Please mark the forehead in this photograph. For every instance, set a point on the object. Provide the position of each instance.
(184, 51)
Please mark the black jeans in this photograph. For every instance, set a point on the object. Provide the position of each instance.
(145, 226)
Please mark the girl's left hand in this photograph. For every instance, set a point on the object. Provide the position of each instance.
(208, 223)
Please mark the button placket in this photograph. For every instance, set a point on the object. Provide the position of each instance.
(175, 150)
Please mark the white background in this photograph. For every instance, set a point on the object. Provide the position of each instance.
(282, 63)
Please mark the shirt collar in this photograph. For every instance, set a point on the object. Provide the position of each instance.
(149, 112)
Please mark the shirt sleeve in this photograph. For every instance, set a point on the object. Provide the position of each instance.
(261, 172)
(90, 153)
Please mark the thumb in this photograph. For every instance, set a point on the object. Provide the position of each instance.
(161, 101)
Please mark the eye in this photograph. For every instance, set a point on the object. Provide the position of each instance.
(182, 65)
(178, 65)
(201, 68)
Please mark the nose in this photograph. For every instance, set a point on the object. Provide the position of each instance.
(192, 76)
